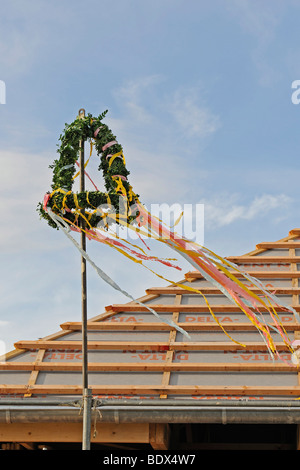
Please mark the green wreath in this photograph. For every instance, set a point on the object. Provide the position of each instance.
(119, 196)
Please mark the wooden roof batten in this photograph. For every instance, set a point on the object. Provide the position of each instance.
(131, 353)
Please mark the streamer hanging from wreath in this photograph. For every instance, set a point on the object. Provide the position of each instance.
(120, 205)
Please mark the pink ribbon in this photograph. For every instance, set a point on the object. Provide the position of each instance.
(120, 176)
(235, 291)
(106, 146)
(97, 132)
(46, 199)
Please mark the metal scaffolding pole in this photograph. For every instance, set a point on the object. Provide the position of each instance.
(86, 392)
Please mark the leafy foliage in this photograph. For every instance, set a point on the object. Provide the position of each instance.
(62, 200)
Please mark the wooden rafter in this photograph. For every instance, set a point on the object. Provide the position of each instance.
(195, 308)
(170, 353)
(149, 345)
(165, 366)
(215, 290)
(159, 326)
(262, 259)
(33, 376)
(191, 390)
(278, 245)
(192, 275)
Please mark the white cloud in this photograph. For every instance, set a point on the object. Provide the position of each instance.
(194, 120)
(260, 20)
(24, 180)
(133, 90)
(226, 210)
(257, 18)
(132, 96)
(26, 31)
(185, 106)
(154, 128)
(15, 53)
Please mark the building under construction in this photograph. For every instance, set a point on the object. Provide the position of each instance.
(154, 389)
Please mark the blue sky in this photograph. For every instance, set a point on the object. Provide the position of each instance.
(199, 95)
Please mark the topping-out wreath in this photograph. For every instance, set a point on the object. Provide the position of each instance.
(119, 197)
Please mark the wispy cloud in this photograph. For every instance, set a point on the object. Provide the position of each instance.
(24, 179)
(144, 102)
(26, 31)
(192, 117)
(133, 97)
(260, 20)
(154, 126)
(226, 210)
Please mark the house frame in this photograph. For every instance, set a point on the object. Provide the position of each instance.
(153, 388)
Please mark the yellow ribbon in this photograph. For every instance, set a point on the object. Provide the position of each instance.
(116, 155)
(120, 186)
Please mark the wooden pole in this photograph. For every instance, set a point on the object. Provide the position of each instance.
(86, 392)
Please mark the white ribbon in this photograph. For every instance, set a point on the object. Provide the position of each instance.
(65, 228)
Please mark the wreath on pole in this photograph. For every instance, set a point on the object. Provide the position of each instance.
(117, 204)
(94, 211)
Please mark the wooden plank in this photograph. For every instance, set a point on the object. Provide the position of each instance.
(272, 245)
(262, 259)
(10, 446)
(33, 376)
(159, 436)
(72, 432)
(184, 308)
(294, 281)
(17, 352)
(117, 326)
(215, 290)
(149, 345)
(190, 390)
(261, 250)
(257, 274)
(158, 326)
(165, 366)
(170, 354)
(27, 445)
(94, 345)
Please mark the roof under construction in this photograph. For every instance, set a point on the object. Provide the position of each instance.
(145, 374)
